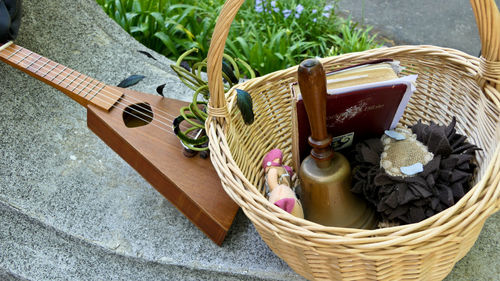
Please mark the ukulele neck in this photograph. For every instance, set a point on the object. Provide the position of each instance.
(81, 88)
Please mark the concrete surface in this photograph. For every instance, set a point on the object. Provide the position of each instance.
(71, 209)
(425, 22)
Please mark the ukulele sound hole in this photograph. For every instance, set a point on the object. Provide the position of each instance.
(137, 115)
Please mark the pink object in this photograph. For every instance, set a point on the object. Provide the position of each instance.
(286, 204)
(289, 170)
(272, 155)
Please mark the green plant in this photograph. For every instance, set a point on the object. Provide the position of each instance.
(166, 26)
(351, 39)
(274, 35)
(193, 137)
(269, 35)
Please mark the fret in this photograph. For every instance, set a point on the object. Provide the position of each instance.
(74, 78)
(50, 70)
(33, 62)
(91, 89)
(41, 66)
(77, 86)
(14, 53)
(79, 82)
(97, 92)
(24, 57)
(64, 68)
(66, 77)
(78, 93)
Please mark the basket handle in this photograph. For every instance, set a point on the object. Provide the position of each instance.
(488, 24)
(217, 106)
(487, 18)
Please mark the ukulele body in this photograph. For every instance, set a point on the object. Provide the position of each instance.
(151, 148)
(190, 184)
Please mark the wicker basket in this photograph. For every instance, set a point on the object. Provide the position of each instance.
(450, 83)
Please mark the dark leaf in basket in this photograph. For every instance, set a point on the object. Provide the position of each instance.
(131, 81)
(244, 102)
(185, 65)
(146, 54)
(228, 70)
(159, 90)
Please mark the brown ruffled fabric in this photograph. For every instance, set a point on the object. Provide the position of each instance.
(443, 182)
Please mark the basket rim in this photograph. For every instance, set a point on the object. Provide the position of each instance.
(474, 211)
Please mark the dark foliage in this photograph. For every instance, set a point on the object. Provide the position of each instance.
(131, 81)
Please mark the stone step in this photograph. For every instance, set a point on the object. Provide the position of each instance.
(71, 209)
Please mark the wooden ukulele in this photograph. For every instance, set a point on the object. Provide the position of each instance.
(138, 127)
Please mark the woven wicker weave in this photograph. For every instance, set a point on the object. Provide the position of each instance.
(450, 83)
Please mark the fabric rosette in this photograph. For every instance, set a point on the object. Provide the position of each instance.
(403, 199)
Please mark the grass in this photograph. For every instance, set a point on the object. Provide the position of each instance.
(269, 35)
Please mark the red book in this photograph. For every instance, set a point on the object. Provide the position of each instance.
(362, 102)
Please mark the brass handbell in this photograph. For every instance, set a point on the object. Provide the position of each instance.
(326, 176)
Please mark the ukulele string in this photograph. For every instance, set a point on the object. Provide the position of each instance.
(79, 80)
(140, 118)
(124, 98)
(33, 62)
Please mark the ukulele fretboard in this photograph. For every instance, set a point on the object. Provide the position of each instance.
(81, 88)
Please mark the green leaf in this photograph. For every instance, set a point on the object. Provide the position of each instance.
(244, 46)
(159, 18)
(244, 102)
(266, 41)
(142, 28)
(228, 70)
(167, 41)
(233, 50)
(130, 16)
(280, 56)
(136, 6)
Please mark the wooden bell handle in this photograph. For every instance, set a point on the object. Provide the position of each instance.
(312, 83)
